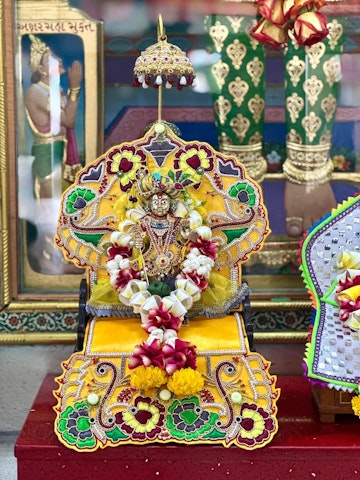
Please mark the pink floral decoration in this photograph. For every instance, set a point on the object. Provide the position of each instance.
(124, 277)
(147, 354)
(160, 317)
(182, 355)
(199, 280)
(206, 247)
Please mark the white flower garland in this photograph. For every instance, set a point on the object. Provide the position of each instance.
(135, 293)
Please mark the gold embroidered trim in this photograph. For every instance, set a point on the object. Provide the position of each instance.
(308, 164)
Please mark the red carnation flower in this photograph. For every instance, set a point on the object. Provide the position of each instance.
(159, 317)
(206, 247)
(118, 250)
(199, 280)
(147, 354)
(182, 355)
(124, 277)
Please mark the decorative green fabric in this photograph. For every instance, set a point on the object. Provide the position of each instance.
(238, 86)
(312, 76)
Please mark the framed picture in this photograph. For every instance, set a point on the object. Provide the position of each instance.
(54, 127)
(109, 111)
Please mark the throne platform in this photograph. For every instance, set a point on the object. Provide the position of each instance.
(303, 448)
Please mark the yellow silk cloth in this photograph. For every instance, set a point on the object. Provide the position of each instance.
(113, 336)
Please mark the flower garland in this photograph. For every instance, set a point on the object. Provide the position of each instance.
(162, 309)
(300, 17)
(347, 291)
(347, 296)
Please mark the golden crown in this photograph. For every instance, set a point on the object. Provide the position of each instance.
(37, 50)
(154, 183)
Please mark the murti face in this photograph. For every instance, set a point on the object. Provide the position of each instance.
(160, 204)
(45, 64)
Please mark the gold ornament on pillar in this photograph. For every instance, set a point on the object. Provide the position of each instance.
(222, 107)
(238, 89)
(294, 105)
(236, 51)
(315, 53)
(218, 33)
(313, 87)
(295, 68)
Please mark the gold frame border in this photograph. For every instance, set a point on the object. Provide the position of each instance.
(10, 297)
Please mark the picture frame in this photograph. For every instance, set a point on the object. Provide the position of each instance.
(70, 33)
(38, 307)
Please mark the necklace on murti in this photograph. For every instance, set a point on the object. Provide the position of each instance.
(162, 233)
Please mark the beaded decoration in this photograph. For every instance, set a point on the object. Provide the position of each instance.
(331, 270)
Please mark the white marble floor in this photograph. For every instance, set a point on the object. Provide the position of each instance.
(7, 459)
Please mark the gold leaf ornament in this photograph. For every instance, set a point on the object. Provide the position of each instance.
(328, 106)
(238, 88)
(240, 126)
(335, 32)
(313, 87)
(315, 53)
(256, 106)
(236, 51)
(222, 107)
(235, 22)
(332, 70)
(295, 68)
(218, 33)
(220, 71)
(255, 69)
(311, 124)
(294, 105)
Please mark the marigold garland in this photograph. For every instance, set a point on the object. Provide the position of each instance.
(148, 377)
(355, 403)
(185, 382)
